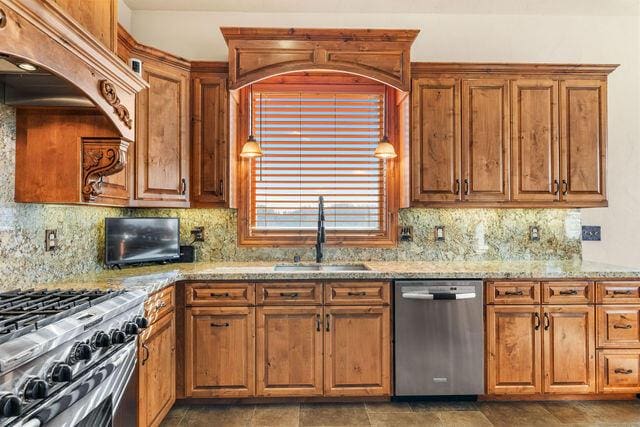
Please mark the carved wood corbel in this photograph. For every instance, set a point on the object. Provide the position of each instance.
(108, 91)
(100, 157)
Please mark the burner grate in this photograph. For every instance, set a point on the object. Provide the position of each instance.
(24, 311)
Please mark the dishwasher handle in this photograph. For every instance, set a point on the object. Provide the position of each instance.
(438, 295)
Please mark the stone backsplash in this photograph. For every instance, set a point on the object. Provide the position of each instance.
(471, 234)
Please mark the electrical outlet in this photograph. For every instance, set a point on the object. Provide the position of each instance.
(534, 233)
(439, 233)
(50, 240)
(406, 233)
(591, 233)
(198, 234)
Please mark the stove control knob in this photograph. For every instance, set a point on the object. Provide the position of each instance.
(100, 340)
(36, 389)
(79, 351)
(131, 328)
(10, 405)
(117, 336)
(61, 373)
(141, 321)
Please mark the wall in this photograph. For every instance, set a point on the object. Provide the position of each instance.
(23, 259)
(534, 37)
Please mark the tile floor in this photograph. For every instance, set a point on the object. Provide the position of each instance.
(507, 414)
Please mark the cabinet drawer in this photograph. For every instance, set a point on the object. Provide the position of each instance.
(513, 292)
(618, 292)
(356, 293)
(618, 326)
(159, 303)
(619, 371)
(567, 292)
(220, 294)
(289, 293)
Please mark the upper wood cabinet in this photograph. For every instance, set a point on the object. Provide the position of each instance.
(162, 142)
(500, 135)
(435, 151)
(485, 139)
(99, 17)
(210, 141)
(535, 160)
(583, 136)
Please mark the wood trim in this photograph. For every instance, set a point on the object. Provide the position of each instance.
(137, 49)
(484, 68)
(318, 34)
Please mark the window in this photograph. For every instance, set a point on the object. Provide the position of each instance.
(317, 141)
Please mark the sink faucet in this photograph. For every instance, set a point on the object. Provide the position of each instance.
(321, 237)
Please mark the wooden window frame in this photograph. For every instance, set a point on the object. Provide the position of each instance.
(301, 238)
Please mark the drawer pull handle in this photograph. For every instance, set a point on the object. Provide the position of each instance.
(547, 322)
(356, 294)
(328, 317)
(537, 325)
(146, 354)
(318, 323)
(627, 292)
(623, 371)
(220, 325)
(160, 305)
(519, 292)
(224, 295)
(289, 294)
(622, 326)
(569, 292)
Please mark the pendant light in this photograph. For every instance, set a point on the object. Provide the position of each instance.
(385, 150)
(251, 148)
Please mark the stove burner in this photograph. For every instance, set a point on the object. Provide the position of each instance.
(24, 311)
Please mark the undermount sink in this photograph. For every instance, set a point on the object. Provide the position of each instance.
(321, 267)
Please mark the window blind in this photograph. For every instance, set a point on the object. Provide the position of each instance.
(318, 144)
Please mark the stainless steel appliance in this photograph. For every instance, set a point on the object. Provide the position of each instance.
(439, 338)
(66, 357)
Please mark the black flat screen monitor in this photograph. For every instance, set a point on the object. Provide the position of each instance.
(141, 240)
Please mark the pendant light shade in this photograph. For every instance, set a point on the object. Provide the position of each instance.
(251, 148)
(385, 149)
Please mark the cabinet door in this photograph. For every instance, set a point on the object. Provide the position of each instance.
(435, 152)
(485, 140)
(209, 163)
(162, 136)
(583, 124)
(535, 161)
(157, 371)
(289, 351)
(357, 351)
(514, 349)
(220, 352)
(569, 349)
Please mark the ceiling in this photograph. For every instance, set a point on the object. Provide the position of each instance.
(498, 7)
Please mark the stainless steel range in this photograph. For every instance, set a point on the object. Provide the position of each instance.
(66, 356)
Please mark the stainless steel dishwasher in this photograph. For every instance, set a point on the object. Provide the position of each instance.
(439, 338)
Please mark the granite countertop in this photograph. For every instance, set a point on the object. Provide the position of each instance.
(153, 278)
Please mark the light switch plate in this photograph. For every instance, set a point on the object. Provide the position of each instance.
(439, 233)
(591, 233)
(534, 233)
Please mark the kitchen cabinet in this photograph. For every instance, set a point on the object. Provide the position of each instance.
(569, 349)
(162, 136)
(535, 157)
(357, 351)
(619, 371)
(514, 349)
(508, 135)
(210, 140)
(220, 351)
(157, 359)
(583, 135)
(99, 17)
(485, 140)
(289, 351)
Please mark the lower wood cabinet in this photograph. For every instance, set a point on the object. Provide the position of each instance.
(220, 351)
(619, 371)
(157, 371)
(357, 351)
(289, 351)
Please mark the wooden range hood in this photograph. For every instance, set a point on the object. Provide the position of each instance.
(39, 32)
